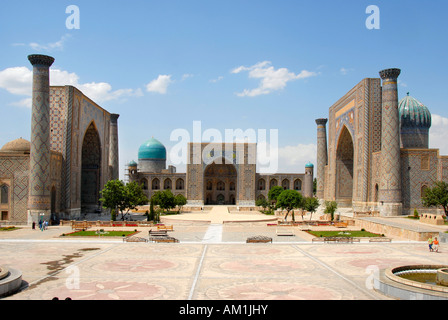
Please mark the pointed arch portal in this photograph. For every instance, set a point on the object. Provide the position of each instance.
(344, 168)
(220, 185)
(91, 169)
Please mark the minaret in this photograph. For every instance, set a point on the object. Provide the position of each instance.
(39, 194)
(390, 196)
(322, 156)
(309, 177)
(113, 147)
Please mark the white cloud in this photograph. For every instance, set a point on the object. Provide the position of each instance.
(271, 79)
(217, 79)
(345, 71)
(159, 85)
(294, 158)
(438, 134)
(186, 76)
(58, 45)
(18, 81)
(285, 159)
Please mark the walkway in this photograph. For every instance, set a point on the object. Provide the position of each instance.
(220, 215)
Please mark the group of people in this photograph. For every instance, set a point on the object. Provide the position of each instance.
(43, 225)
(433, 244)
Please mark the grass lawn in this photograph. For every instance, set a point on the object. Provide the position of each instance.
(9, 228)
(94, 233)
(348, 233)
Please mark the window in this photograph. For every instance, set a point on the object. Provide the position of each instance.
(221, 186)
(261, 184)
(4, 194)
(232, 186)
(285, 184)
(423, 191)
(180, 184)
(144, 184)
(209, 185)
(273, 183)
(298, 185)
(155, 184)
(167, 184)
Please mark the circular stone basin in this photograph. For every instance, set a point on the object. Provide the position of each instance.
(4, 272)
(442, 277)
(418, 276)
(10, 281)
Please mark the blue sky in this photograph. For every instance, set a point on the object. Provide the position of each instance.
(229, 64)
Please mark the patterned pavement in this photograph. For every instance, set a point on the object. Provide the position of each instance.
(288, 269)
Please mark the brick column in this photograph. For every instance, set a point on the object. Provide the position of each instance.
(322, 156)
(39, 193)
(390, 196)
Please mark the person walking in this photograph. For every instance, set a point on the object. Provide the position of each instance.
(430, 242)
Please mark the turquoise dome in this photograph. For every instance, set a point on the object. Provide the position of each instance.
(413, 113)
(132, 164)
(152, 149)
(309, 165)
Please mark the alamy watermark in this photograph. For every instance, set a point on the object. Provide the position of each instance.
(207, 147)
(373, 20)
(73, 21)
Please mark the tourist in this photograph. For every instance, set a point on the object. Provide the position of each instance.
(436, 245)
(430, 242)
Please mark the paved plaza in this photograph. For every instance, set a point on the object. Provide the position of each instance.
(211, 262)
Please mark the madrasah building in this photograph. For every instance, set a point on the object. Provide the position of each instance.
(375, 156)
(216, 174)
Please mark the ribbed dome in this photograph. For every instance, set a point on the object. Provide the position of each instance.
(413, 113)
(18, 146)
(132, 164)
(152, 149)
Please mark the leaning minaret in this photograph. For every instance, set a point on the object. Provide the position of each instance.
(39, 194)
(322, 156)
(113, 145)
(390, 196)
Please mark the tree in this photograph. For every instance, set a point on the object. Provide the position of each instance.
(122, 198)
(274, 193)
(262, 202)
(180, 201)
(289, 200)
(331, 207)
(311, 204)
(164, 199)
(437, 196)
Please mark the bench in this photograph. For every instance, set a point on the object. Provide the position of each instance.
(164, 240)
(80, 226)
(259, 239)
(341, 239)
(380, 239)
(158, 233)
(341, 224)
(167, 228)
(134, 239)
(320, 239)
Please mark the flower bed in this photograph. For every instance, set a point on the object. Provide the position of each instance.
(100, 233)
(351, 234)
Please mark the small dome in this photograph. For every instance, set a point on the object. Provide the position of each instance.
(132, 164)
(152, 149)
(18, 146)
(309, 165)
(413, 113)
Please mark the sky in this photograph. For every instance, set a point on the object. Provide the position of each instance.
(251, 65)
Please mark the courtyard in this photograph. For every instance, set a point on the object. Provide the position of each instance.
(211, 262)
